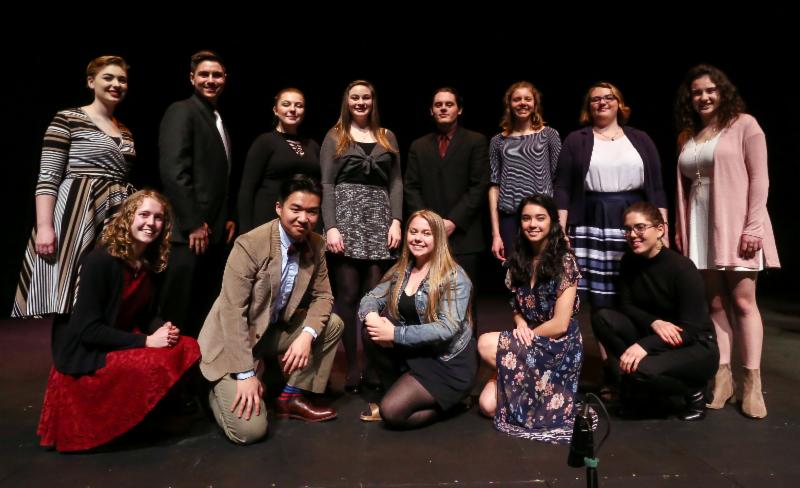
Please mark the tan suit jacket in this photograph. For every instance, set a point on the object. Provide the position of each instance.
(241, 314)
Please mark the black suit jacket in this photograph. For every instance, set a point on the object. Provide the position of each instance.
(194, 168)
(454, 187)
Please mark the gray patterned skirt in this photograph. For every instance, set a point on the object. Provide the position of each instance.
(363, 217)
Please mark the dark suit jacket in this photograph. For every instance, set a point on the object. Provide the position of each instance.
(194, 168)
(454, 187)
(80, 345)
(241, 314)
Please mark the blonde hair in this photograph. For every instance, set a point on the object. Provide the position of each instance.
(623, 111)
(117, 237)
(342, 127)
(442, 273)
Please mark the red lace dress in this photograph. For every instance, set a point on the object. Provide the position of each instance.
(82, 412)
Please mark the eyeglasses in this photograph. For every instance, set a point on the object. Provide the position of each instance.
(608, 98)
(639, 229)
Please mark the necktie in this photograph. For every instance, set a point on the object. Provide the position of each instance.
(297, 247)
(443, 142)
(221, 130)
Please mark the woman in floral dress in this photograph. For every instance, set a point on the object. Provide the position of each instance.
(539, 361)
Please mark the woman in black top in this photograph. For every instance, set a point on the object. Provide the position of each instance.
(274, 157)
(661, 333)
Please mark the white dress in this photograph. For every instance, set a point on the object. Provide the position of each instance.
(696, 163)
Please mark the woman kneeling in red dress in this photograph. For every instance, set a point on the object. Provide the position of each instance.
(114, 360)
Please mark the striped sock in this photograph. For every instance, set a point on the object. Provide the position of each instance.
(289, 392)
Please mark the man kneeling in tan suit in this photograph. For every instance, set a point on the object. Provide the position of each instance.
(275, 299)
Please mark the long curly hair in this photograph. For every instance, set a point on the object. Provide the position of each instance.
(119, 242)
(342, 127)
(731, 103)
(551, 257)
(441, 274)
(537, 120)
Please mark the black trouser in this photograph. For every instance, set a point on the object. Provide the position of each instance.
(673, 371)
(191, 284)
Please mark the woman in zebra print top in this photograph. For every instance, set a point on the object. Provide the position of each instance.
(83, 178)
(522, 160)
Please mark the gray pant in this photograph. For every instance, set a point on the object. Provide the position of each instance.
(314, 377)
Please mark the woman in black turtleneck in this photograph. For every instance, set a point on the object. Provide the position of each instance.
(276, 156)
(661, 331)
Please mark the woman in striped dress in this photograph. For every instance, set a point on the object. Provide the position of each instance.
(83, 178)
(522, 160)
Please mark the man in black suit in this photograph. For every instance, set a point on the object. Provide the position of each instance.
(195, 166)
(448, 172)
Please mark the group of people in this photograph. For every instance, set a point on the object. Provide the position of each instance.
(131, 277)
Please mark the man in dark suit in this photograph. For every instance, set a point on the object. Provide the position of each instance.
(275, 301)
(448, 172)
(195, 165)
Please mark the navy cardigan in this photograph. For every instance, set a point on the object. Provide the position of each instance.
(573, 165)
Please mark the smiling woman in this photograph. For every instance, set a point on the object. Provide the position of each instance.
(362, 207)
(418, 330)
(87, 157)
(539, 361)
(115, 359)
(276, 156)
(522, 161)
(661, 333)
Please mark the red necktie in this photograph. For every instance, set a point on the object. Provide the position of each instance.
(443, 143)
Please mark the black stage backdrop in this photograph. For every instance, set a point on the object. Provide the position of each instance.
(647, 67)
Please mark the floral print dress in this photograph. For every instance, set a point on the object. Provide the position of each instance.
(536, 384)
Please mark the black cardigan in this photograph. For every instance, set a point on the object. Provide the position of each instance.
(80, 345)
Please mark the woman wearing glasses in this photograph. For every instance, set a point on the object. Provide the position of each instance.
(722, 220)
(603, 168)
(661, 333)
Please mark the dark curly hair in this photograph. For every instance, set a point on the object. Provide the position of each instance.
(551, 258)
(117, 237)
(730, 102)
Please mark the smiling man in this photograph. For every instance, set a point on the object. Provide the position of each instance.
(195, 165)
(275, 300)
(448, 172)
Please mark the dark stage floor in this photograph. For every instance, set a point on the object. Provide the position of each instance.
(726, 449)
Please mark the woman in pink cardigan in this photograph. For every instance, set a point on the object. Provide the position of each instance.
(722, 220)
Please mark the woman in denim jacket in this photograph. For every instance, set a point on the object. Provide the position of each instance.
(417, 329)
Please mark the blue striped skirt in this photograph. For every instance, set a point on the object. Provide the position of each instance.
(599, 244)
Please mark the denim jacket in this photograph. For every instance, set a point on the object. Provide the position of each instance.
(452, 334)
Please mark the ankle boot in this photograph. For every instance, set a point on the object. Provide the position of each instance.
(752, 400)
(695, 407)
(723, 387)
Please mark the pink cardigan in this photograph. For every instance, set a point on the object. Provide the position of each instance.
(739, 191)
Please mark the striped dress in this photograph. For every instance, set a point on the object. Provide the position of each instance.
(86, 171)
(523, 166)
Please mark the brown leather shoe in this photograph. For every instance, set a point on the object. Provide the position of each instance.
(301, 409)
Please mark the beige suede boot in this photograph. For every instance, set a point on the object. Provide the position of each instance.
(723, 387)
(752, 400)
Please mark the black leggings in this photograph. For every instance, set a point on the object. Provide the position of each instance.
(406, 404)
(674, 370)
(352, 279)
